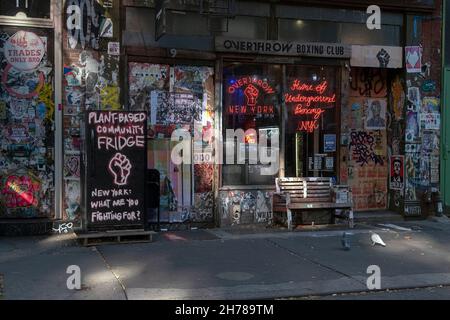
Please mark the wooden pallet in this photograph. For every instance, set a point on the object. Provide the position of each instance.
(115, 236)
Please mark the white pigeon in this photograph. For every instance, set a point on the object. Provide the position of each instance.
(376, 239)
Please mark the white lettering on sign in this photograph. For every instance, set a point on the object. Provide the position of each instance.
(24, 50)
(283, 48)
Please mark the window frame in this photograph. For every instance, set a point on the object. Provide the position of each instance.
(284, 117)
(31, 22)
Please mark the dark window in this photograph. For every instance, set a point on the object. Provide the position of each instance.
(251, 96)
(31, 8)
(311, 100)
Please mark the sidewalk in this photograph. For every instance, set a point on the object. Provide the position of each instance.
(218, 264)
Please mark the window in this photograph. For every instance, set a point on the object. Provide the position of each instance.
(252, 95)
(337, 32)
(308, 31)
(25, 8)
(311, 130)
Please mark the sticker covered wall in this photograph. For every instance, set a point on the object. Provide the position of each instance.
(26, 123)
(90, 82)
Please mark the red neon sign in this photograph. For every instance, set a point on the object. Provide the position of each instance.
(308, 126)
(251, 110)
(252, 89)
(250, 81)
(305, 95)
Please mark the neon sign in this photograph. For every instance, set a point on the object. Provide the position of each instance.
(308, 126)
(251, 88)
(251, 110)
(250, 81)
(304, 95)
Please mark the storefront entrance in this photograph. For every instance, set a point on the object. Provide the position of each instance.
(176, 97)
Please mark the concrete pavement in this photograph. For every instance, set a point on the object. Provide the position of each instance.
(229, 264)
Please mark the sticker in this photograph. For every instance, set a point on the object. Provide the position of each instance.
(413, 57)
(22, 84)
(329, 143)
(376, 114)
(24, 50)
(114, 48)
(397, 173)
(430, 121)
(106, 28)
(429, 86)
(414, 96)
(430, 105)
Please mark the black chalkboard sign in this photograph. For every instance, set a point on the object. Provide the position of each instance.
(116, 167)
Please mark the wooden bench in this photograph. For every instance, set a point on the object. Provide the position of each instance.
(303, 194)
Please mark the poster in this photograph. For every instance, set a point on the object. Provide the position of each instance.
(412, 127)
(329, 143)
(114, 48)
(24, 50)
(116, 168)
(376, 56)
(414, 97)
(375, 114)
(430, 121)
(413, 58)
(397, 173)
(430, 105)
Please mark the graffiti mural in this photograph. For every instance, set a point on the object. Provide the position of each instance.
(368, 82)
(363, 147)
(26, 120)
(245, 207)
(365, 123)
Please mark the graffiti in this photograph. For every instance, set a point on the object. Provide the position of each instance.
(71, 167)
(84, 18)
(203, 209)
(120, 168)
(63, 228)
(368, 82)
(263, 211)
(20, 191)
(362, 147)
(72, 200)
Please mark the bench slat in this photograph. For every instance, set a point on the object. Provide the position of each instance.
(329, 205)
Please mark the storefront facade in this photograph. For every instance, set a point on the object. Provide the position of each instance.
(357, 105)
